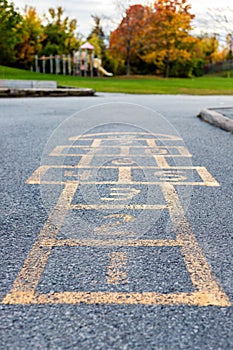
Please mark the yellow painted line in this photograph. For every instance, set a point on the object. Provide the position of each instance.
(29, 276)
(102, 146)
(121, 194)
(69, 173)
(87, 158)
(157, 136)
(124, 175)
(208, 290)
(143, 155)
(52, 182)
(118, 298)
(110, 243)
(109, 232)
(85, 175)
(124, 217)
(131, 166)
(38, 174)
(122, 162)
(156, 151)
(161, 162)
(118, 140)
(124, 151)
(151, 143)
(183, 151)
(197, 266)
(18, 297)
(207, 178)
(116, 271)
(111, 228)
(78, 166)
(96, 143)
(57, 151)
(209, 184)
(170, 175)
(117, 207)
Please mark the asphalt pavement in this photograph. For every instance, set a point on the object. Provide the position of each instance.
(116, 227)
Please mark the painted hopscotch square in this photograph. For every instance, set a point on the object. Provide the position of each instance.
(85, 269)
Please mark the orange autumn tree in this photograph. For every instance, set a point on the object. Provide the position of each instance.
(126, 41)
(167, 37)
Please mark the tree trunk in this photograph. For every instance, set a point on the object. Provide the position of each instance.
(128, 59)
(167, 65)
(128, 66)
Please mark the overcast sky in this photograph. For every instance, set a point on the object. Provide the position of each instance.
(82, 10)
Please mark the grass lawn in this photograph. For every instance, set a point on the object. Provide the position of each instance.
(207, 85)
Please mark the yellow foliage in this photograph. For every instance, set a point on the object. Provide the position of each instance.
(168, 32)
(31, 36)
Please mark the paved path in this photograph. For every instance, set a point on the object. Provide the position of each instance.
(120, 238)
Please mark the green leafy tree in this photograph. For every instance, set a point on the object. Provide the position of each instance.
(10, 22)
(96, 37)
(60, 37)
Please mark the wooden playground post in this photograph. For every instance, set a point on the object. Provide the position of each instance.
(43, 64)
(91, 63)
(51, 64)
(74, 64)
(63, 64)
(69, 64)
(36, 64)
(86, 63)
(57, 64)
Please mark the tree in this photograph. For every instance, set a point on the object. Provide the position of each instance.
(221, 19)
(206, 48)
(10, 21)
(127, 40)
(31, 37)
(229, 40)
(168, 36)
(59, 33)
(97, 29)
(97, 36)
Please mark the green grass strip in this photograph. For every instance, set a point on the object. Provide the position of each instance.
(207, 85)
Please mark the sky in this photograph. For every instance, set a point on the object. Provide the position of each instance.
(82, 10)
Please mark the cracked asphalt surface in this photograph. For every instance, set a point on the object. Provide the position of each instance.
(26, 125)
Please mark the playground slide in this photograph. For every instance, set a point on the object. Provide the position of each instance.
(104, 72)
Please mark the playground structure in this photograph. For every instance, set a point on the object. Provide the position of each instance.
(82, 62)
(87, 64)
(97, 63)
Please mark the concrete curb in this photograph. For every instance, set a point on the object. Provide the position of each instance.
(59, 92)
(28, 84)
(217, 119)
